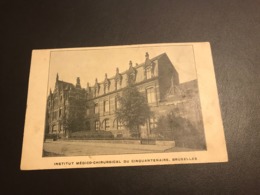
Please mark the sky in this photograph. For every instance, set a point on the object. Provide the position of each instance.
(92, 63)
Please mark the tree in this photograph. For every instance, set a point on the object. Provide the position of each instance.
(173, 126)
(73, 119)
(134, 110)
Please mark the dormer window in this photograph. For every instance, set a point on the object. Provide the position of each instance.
(148, 73)
(131, 77)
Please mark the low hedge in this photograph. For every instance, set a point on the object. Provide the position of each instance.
(91, 134)
(52, 136)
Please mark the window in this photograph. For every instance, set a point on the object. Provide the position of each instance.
(117, 85)
(106, 106)
(106, 125)
(59, 112)
(96, 125)
(117, 104)
(96, 108)
(153, 123)
(148, 73)
(132, 77)
(87, 111)
(119, 125)
(150, 94)
(54, 128)
(106, 90)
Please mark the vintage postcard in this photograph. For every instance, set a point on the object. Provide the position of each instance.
(134, 105)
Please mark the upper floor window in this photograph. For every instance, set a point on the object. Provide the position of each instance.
(150, 94)
(117, 84)
(117, 103)
(59, 112)
(131, 77)
(87, 111)
(96, 108)
(106, 106)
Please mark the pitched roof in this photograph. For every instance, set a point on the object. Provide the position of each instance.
(135, 67)
(64, 85)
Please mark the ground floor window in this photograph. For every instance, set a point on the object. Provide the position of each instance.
(96, 125)
(106, 124)
(153, 123)
(119, 125)
(54, 128)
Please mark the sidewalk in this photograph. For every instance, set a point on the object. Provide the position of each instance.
(81, 148)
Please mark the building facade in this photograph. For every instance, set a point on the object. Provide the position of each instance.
(66, 100)
(156, 78)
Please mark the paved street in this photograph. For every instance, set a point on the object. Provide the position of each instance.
(85, 148)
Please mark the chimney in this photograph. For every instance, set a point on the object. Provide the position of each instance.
(130, 64)
(78, 83)
(147, 55)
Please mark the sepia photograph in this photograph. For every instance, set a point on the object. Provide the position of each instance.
(123, 101)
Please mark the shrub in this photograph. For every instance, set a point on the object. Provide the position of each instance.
(54, 137)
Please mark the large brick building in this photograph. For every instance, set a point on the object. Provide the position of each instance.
(65, 98)
(156, 78)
